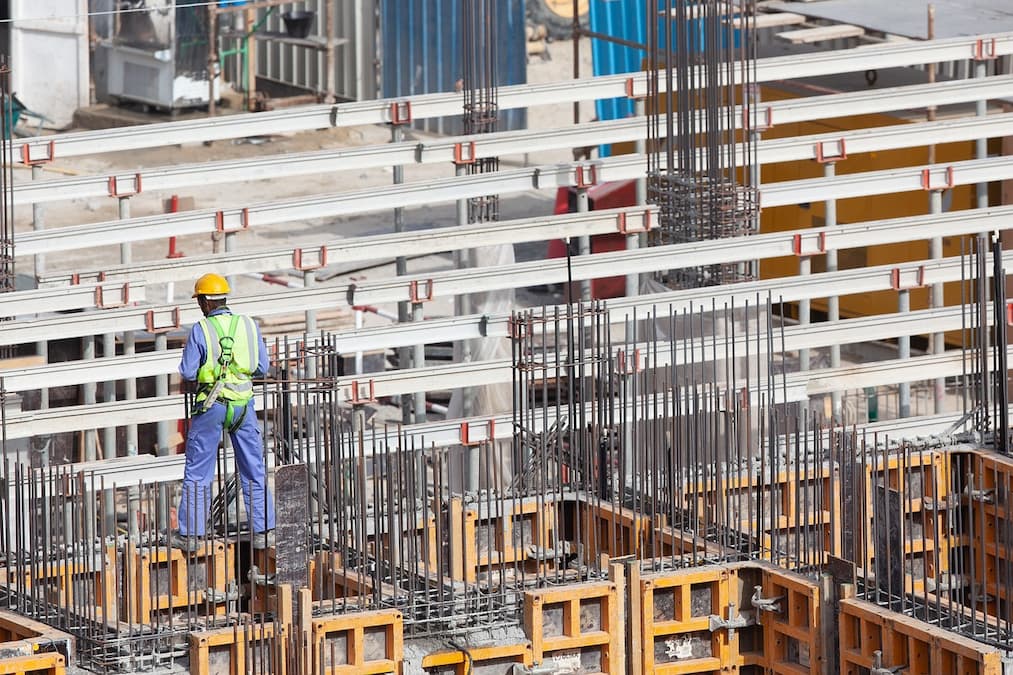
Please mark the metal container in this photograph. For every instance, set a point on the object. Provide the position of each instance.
(422, 50)
(159, 56)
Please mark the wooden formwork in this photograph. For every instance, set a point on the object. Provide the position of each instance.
(241, 649)
(499, 659)
(922, 481)
(990, 525)
(724, 618)
(874, 637)
(575, 628)
(36, 664)
(518, 534)
(361, 643)
(72, 583)
(28, 647)
(160, 578)
(675, 621)
(614, 531)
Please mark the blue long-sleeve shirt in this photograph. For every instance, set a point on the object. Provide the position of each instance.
(196, 349)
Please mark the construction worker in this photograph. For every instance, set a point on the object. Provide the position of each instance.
(222, 355)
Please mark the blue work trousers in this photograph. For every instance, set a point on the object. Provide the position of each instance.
(201, 453)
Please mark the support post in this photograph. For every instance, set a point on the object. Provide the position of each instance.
(804, 310)
(937, 301)
(401, 269)
(583, 245)
(42, 346)
(88, 391)
(904, 353)
(833, 302)
(419, 361)
(309, 278)
(633, 241)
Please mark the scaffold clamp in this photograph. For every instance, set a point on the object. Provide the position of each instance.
(624, 227)
(356, 397)
(823, 158)
(149, 322)
(401, 113)
(983, 53)
(586, 176)
(123, 301)
(114, 186)
(624, 367)
(301, 266)
(900, 279)
(799, 240)
(26, 154)
(465, 153)
(748, 118)
(244, 222)
(927, 180)
(468, 441)
(413, 291)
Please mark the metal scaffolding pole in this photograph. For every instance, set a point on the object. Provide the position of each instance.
(834, 301)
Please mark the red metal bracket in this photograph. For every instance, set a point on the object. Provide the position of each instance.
(587, 180)
(75, 278)
(124, 297)
(466, 439)
(623, 367)
(413, 291)
(357, 399)
(26, 154)
(518, 328)
(631, 90)
(149, 322)
(460, 157)
(897, 283)
(927, 180)
(1009, 313)
(797, 241)
(768, 118)
(980, 53)
(297, 260)
(822, 158)
(244, 222)
(401, 112)
(114, 187)
(624, 227)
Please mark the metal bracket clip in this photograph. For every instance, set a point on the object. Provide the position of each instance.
(462, 157)
(297, 260)
(822, 158)
(797, 241)
(124, 297)
(981, 54)
(413, 291)
(900, 282)
(466, 439)
(586, 176)
(149, 322)
(356, 397)
(26, 154)
(735, 621)
(114, 187)
(927, 180)
(401, 112)
(762, 604)
(624, 228)
(244, 222)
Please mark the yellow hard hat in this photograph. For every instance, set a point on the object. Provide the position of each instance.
(211, 285)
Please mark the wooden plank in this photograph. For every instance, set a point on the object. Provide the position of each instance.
(822, 33)
(771, 20)
(22, 362)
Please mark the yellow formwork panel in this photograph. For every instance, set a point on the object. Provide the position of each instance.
(460, 662)
(871, 636)
(614, 531)
(675, 621)
(241, 649)
(362, 643)
(791, 634)
(162, 578)
(36, 664)
(575, 627)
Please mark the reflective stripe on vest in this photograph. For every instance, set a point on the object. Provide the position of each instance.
(237, 385)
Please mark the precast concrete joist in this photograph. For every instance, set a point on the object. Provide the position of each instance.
(368, 388)
(504, 143)
(763, 246)
(361, 249)
(675, 256)
(104, 294)
(235, 219)
(364, 388)
(927, 177)
(405, 110)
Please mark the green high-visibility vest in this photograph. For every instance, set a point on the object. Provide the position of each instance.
(232, 356)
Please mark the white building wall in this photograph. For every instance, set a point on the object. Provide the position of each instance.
(49, 57)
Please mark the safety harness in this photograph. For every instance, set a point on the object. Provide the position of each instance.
(235, 411)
